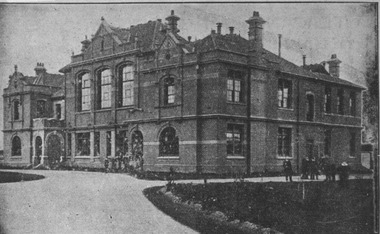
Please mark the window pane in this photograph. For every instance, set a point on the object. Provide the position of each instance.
(230, 85)
(237, 85)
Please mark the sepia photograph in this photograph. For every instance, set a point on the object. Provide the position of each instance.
(193, 117)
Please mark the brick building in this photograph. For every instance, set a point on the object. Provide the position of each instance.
(33, 118)
(219, 104)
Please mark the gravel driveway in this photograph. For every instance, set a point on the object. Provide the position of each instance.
(82, 202)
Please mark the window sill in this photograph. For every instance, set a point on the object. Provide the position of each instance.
(15, 158)
(286, 109)
(16, 120)
(351, 156)
(102, 110)
(83, 112)
(83, 157)
(335, 114)
(168, 157)
(235, 157)
(284, 157)
(129, 107)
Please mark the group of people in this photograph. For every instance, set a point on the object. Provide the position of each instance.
(311, 168)
(126, 163)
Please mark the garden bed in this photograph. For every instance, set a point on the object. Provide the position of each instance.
(9, 177)
(311, 207)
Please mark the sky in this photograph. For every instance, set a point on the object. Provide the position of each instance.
(49, 33)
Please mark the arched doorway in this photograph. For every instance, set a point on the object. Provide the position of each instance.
(38, 147)
(54, 149)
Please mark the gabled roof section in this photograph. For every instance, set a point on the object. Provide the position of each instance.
(104, 26)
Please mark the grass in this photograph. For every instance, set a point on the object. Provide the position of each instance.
(9, 177)
(314, 207)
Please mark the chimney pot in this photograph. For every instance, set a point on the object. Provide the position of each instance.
(213, 31)
(172, 12)
(189, 38)
(159, 20)
(279, 44)
(231, 30)
(333, 56)
(219, 27)
(304, 59)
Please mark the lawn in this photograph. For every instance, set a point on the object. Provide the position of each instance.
(310, 207)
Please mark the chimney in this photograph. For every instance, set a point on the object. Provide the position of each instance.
(172, 22)
(279, 44)
(304, 60)
(255, 32)
(334, 66)
(219, 28)
(231, 30)
(85, 44)
(40, 69)
(189, 38)
(212, 31)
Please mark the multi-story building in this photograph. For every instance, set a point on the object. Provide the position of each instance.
(219, 104)
(33, 118)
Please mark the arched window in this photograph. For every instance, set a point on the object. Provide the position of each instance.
(16, 110)
(169, 144)
(126, 81)
(84, 96)
(16, 146)
(104, 89)
(169, 91)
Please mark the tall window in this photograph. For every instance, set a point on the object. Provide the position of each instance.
(309, 107)
(234, 139)
(327, 142)
(108, 143)
(340, 102)
(84, 92)
(104, 89)
(234, 86)
(121, 143)
(127, 85)
(41, 108)
(169, 91)
(352, 144)
(137, 143)
(352, 104)
(16, 146)
(327, 103)
(97, 143)
(83, 144)
(68, 144)
(16, 110)
(169, 143)
(58, 111)
(284, 93)
(284, 142)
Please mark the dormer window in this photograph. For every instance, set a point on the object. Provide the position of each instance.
(41, 108)
(16, 110)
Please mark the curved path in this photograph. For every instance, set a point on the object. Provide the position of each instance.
(82, 202)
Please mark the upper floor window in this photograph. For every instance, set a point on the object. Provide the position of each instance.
(127, 85)
(169, 143)
(352, 104)
(327, 103)
(41, 108)
(84, 96)
(234, 137)
(104, 89)
(284, 93)
(340, 102)
(234, 86)
(309, 107)
(16, 146)
(16, 110)
(58, 111)
(284, 142)
(169, 91)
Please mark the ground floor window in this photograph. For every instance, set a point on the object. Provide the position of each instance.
(352, 144)
(327, 148)
(68, 144)
(16, 146)
(284, 142)
(97, 143)
(234, 139)
(137, 143)
(169, 143)
(121, 143)
(83, 144)
(109, 143)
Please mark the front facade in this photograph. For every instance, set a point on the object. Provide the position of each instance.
(221, 104)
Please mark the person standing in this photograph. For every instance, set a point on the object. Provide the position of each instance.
(106, 164)
(343, 171)
(288, 170)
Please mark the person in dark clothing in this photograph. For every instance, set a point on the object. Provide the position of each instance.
(288, 170)
(106, 164)
(313, 169)
(304, 168)
(343, 171)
